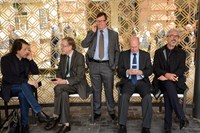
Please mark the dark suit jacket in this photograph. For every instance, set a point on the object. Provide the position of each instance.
(11, 74)
(124, 64)
(77, 77)
(113, 46)
(176, 65)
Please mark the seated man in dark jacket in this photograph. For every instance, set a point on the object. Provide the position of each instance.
(15, 68)
(134, 68)
(169, 68)
(70, 78)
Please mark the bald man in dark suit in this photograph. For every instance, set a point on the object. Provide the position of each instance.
(134, 68)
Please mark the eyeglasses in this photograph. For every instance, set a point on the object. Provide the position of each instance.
(63, 46)
(174, 36)
(99, 21)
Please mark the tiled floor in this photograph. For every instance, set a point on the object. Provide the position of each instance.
(80, 122)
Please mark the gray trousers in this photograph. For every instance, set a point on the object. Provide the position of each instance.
(61, 102)
(144, 91)
(101, 73)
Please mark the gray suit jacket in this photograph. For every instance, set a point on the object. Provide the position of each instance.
(113, 46)
(77, 77)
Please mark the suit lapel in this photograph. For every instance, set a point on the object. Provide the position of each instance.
(140, 59)
(128, 57)
(94, 43)
(165, 54)
(109, 39)
(64, 66)
(164, 57)
(72, 60)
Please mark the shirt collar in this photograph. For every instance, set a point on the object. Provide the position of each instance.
(104, 30)
(70, 55)
(135, 53)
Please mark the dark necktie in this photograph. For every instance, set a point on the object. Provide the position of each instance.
(101, 45)
(67, 66)
(134, 66)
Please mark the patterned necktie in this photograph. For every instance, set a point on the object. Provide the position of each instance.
(67, 66)
(101, 45)
(134, 66)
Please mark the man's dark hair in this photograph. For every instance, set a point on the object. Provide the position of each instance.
(17, 45)
(102, 14)
(71, 42)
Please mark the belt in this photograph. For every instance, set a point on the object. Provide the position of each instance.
(100, 61)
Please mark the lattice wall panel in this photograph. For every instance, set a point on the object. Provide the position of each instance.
(128, 21)
(149, 19)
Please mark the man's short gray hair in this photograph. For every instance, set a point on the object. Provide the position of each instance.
(173, 29)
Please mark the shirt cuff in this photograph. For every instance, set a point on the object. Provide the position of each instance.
(127, 75)
(142, 76)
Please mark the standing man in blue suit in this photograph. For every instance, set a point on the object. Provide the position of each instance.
(134, 68)
(102, 56)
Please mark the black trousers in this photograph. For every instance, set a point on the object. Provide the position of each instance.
(171, 102)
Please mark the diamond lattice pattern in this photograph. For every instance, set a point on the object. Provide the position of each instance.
(34, 20)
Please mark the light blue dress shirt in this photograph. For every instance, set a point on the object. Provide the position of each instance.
(137, 67)
(96, 54)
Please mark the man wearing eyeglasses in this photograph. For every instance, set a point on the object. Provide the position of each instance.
(102, 56)
(169, 68)
(70, 79)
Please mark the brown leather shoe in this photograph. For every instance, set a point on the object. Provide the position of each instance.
(64, 129)
(51, 123)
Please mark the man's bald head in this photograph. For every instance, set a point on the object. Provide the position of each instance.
(134, 44)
